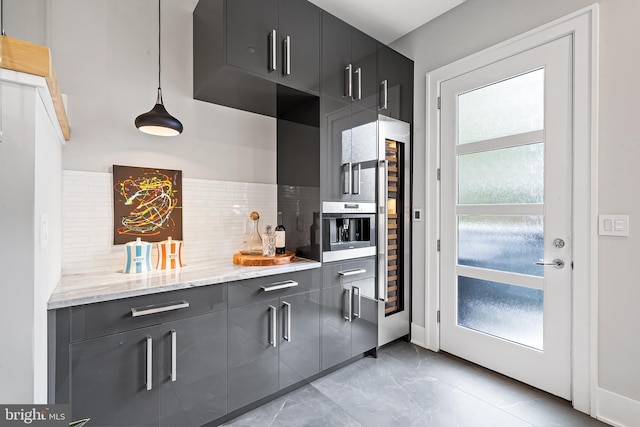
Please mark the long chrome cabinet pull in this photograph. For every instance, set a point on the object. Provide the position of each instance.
(273, 58)
(352, 272)
(356, 293)
(358, 74)
(383, 250)
(346, 173)
(273, 326)
(174, 353)
(384, 95)
(356, 179)
(149, 363)
(287, 55)
(287, 332)
(348, 82)
(279, 285)
(158, 308)
(348, 308)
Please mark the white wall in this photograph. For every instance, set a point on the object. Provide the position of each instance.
(30, 170)
(105, 53)
(477, 24)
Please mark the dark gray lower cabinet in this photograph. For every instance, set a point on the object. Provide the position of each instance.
(132, 378)
(272, 345)
(349, 310)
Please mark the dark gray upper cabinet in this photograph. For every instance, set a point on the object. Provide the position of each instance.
(243, 48)
(349, 63)
(349, 141)
(395, 79)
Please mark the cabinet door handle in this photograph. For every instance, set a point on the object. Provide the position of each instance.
(346, 181)
(384, 95)
(356, 293)
(273, 320)
(358, 75)
(348, 82)
(279, 285)
(149, 380)
(287, 331)
(348, 308)
(174, 353)
(356, 179)
(287, 55)
(273, 59)
(352, 272)
(158, 308)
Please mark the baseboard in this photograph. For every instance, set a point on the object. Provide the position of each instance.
(616, 409)
(418, 334)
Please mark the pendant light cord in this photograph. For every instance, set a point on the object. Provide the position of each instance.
(2, 18)
(159, 54)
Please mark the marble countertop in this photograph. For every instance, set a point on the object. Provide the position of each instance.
(79, 289)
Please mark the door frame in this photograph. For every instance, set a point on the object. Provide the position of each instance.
(583, 26)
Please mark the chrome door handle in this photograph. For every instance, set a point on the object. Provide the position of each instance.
(287, 55)
(348, 84)
(149, 380)
(384, 95)
(273, 58)
(358, 74)
(557, 263)
(174, 352)
(348, 308)
(356, 179)
(356, 291)
(273, 326)
(346, 171)
(287, 331)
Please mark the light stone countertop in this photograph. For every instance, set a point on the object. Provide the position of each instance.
(79, 289)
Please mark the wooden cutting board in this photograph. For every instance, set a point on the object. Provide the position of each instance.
(262, 261)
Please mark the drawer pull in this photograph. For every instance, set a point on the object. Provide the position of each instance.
(279, 285)
(352, 272)
(158, 308)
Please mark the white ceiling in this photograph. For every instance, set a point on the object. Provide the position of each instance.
(386, 20)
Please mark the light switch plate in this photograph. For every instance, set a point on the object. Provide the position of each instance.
(613, 225)
(417, 214)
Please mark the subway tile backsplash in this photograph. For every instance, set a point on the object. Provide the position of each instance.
(215, 220)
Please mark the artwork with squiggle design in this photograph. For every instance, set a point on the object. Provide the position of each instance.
(147, 203)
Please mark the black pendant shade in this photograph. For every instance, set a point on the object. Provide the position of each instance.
(158, 121)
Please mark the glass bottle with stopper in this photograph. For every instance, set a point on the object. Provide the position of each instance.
(253, 243)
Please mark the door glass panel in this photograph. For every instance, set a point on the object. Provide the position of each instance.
(509, 107)
(510, 312)
(507, 175)
(505, 243)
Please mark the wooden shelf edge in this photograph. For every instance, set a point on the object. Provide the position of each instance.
(30, 58)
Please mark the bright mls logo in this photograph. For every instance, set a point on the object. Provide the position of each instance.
(36, 415)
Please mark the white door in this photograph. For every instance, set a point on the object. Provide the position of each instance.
(506, 196)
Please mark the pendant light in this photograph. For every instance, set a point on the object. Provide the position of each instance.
(158, 121)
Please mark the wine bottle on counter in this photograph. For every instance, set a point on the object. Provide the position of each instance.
(280, 236)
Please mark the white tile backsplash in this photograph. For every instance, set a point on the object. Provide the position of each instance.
(215, 220)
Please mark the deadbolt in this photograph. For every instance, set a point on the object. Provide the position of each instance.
(558, 243)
